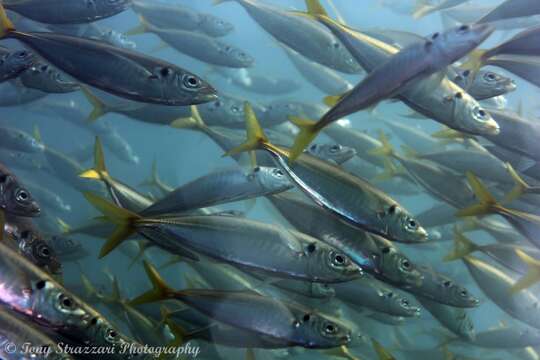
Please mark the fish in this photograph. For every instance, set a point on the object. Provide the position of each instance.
(72, 13)
(48, 198)
(373, 294)
(221, 187)
(203, 47)
(278, 111)
(455, 319)
(424, 8)
(373, 254)
(66, 248)
(13, 63)
(374, 211)
(301, 34)
(44, 77)
(17, 140)
(511, 9)
(13, 94)
(496, 286)
(214, 26)
(310, 329)
(323, 78)
(485, 85)
(150, 80)
(258, 83)
(322, 265)
(389, 78)
(15, 199)
(168, 16)
(413, 137)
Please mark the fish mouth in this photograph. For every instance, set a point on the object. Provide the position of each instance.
(482, 31)
(414, 311)
(510, 86)
(491, 127)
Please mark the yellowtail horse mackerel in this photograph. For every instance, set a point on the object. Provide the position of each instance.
(346, 196)
(121, 72)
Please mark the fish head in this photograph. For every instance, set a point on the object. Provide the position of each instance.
(103, 333)
(342, 58)
(38, 251)
(456, 294)
(492, 84)
(185, 85)
(322, 331)
(215, 26)
(398, 305)
(325, 262)
(271, 179)
(16, 61)
(456, 42)
(332, 152)
(242, 58)
(470, 117)
(402, 226)
(16, 199)
(395, 266)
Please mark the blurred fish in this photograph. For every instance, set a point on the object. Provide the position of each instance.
(72, 12)
(278, 111)
(15, 199)
(149, 80)
(323, 78)
(13, 62)
(485, 85)
(507, 337)
(203, 47)
(48, 198)
(256, 313)
(14, 93)
(18, 140)
(424, 8)
(330, 187)
(258, 83)
(301, 34)
(511, 9)
(455, 319)
(413, 137)
(66, 248)
(221, 187)
(44, 77)
(214, 26)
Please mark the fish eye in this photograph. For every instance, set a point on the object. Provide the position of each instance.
(22, 54)
(463, 28)
(278, 172)
(111, 334)
(65, 301)
(466, 73)
(335, 148)
(459, 95)
(490, 76)
(434, 36)
(330, 329)
(191, 81)
(390, 295)
(218, 103)
(463, 293)
(313, 147)
(306, 318)
(406, 264)
(392, 209)
(385, 250)
(404, 302)
(412, 224)
(311, 248)
(338, 259)
(447, 283)
(41, 284)
(336, 45)
(481, 113)
(21, 195)
(235, 109)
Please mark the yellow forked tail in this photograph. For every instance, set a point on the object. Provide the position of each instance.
(462, 247)
(308, 132)
(531, 277)
(487, 204)
(99, 171)
(99, 108)
(160, 290)
(123, 219)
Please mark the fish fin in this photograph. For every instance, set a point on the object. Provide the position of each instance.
(160, 290)
(409, 151)
(154, 177)
(6, 26)
(140, 253)
(142, 28)
(315, 8)
(195, 121)
(414, 115)
(389, 172)
(462, 247)
(531, 277)
(250, 354)
(99, 108)
(255, 134)
(474, 61)
(385, 150)
(121, 217)
(99, 171)
(308, 132)
(175, 259)
(342, 352)
(381, 352)
(521, 187)
(448, 133)
(116, 293)
(194, 283)
(336, 12)
(63, 225)
(36, 134)
(89, 289)
(487, 203)
(421, 9)
(332, 100)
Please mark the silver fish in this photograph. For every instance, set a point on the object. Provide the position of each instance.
(15, 199)
(44, 77)
(18, 140)
(13, 63)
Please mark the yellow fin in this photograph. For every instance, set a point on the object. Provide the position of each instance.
(342, 352)
(254, 132)
(6, 26)
(520, 187)
(63, 225)
(99, 108)
(448, 133)
(140, 253)
(474, 62)
(99, 171)
(462, 247)
(389, 172)
(381, 352)
(37, 134)
(121, 217)
(160, 290)
(314, 7)
(308, 132)
(195, 121)
(422, 9)
(487, 203)
(142, 28)
(531, 277)
(384, 150)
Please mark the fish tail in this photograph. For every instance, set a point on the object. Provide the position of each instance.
(381, 352)
(521, 187)
(195, 121)
(487, 204)
(422, 8)
(314, 8)
(385, 149)
(153, 180)
(256, 139)
(99, 171)
(6, 26)
(99, 108)
(389, 172)
(141, 248)
(160, 290)
(142, 28)
(123, 218)
(89, 289)
(462, 247)
(308, 132)
(531, 277)
(474, 62)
